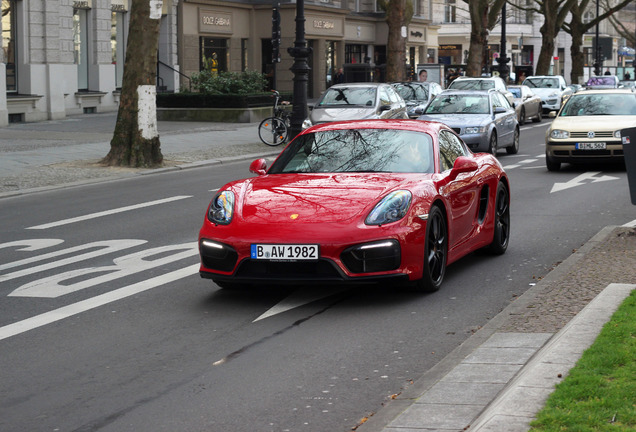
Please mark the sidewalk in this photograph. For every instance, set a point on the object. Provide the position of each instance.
(495, 381)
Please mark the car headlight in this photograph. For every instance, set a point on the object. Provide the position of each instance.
(617, 134)
(475, 129)
(391, 208)
(306, 124)
(559, 134)
(222, 208)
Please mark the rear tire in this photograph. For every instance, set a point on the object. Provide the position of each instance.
(435, 252)
(539, 117)
(501, 235)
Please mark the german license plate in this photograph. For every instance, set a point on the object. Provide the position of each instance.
(591, 146)
(295, 252)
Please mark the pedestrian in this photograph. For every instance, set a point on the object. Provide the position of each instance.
(339, 78)
(607, 72)
(627, 76)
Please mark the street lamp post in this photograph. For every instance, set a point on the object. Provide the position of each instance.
(300, 52)
(503, 59)
(597, 51)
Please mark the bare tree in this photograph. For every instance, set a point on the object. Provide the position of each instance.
(135, 141)
(398, 14)
(576, 28)
(483, 18)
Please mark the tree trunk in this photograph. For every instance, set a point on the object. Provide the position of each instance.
(135, 141)
(478, 37)
(396, 44)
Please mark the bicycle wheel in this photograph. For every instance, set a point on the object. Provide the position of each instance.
(272, 131)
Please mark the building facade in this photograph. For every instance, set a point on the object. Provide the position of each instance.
(66, 57)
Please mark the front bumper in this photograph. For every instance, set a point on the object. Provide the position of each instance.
(564, 151)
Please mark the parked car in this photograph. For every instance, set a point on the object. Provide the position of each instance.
(482, 83)
(551, 88)
(417, 95)
(483, 119)
(588, 127)
(526, 103)
(357, 101)
(357, 202)
(627, 84)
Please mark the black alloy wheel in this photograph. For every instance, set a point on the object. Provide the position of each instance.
(501, 235)
(435, 251)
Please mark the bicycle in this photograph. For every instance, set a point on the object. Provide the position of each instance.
(274, 130)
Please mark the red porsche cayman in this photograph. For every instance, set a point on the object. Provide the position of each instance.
(358, 201)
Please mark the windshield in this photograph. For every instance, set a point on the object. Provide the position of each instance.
(472, 84)
(347, 96)
(357, 150)
(599, 104)
(516, 91)
(412, 91)
(542, 82)
(459, 104)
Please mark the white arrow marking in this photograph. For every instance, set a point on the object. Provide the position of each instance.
(32, 245)
(578, 181)
(108, 212)
(299, 298)
(92, 303)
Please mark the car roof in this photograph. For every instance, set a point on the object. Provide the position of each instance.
(400, 124)
(459, 91)
(359, 84)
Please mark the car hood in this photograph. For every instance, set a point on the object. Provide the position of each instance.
(315, 198)
(545, 92)
(323, 115)
(592, 123)
(458, 120)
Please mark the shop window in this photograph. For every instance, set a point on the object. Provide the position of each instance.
(80, 40)
(9, 43)
(214, 54)
(117, 38)
(355, 53)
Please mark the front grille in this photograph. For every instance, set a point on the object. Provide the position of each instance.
(300, 270)
(601, 134)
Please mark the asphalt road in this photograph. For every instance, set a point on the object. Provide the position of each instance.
(105, 324)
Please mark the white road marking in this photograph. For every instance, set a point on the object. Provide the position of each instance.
(94, 302)
(299, 298)
(31, 245)
(109, 212)
(518, 164)
(79, 279)
(102, 248)
(579, 180)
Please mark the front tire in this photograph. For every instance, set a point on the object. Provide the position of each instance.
(435, 252)
(551, 164)
(492, 144)
(514, 148)
(501, 235)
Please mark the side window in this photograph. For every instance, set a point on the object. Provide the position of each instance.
(393, 96)
(496, 101)
(450, 148)
(384, 97)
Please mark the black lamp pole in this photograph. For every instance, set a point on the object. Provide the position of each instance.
(300, 52)
(503, 59)
(597, 51)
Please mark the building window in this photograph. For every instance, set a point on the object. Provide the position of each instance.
(214, 54)
(9, 43)
(80, 36)
(355, 53)
(450, 11)
(117, 44)
(244, 52)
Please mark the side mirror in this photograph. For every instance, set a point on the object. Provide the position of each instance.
(500, 110)
(385, 108)
(463, 164)
(259, 166)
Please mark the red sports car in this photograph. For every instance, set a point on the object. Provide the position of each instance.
(358, 201)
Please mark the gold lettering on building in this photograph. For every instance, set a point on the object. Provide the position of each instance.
(324, 24)
(77, 4)
(215, 21)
